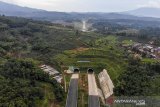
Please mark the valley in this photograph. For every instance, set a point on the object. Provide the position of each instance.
(57, 59)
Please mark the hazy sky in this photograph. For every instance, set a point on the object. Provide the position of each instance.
(86, 5)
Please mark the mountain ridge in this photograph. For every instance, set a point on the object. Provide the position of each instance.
(15, 10)
(145, 12)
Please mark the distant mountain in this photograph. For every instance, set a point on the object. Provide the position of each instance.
(145, 12)
(11, 9)
(15, 10)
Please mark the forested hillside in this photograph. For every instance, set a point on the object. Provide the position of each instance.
(22, 38)
(23, 84)
(25, 44)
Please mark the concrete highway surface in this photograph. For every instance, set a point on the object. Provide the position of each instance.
(93, 99)
(72, 91)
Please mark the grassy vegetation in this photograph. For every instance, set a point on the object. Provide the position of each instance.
(149, 60)
(128, 42)
(83, 90)
(49, 96)
(49, 99)
(105, 55)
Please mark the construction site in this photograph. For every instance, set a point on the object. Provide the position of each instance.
(88, 89)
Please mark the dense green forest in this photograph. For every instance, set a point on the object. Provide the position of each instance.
(139, 79)
(21, 84)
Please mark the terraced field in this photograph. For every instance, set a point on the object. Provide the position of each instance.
(107, 56)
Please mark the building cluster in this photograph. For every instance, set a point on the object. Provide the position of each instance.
(52, 72)
(106, 85)
(145, 50)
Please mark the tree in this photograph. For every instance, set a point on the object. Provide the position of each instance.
(134, 81)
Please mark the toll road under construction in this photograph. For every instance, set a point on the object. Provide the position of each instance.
(93, 91)
(73, 90)
(93, 98)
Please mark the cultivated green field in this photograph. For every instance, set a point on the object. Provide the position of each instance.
(105, 55)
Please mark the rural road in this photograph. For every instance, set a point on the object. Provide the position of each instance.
(72, 91)
(93, 99)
